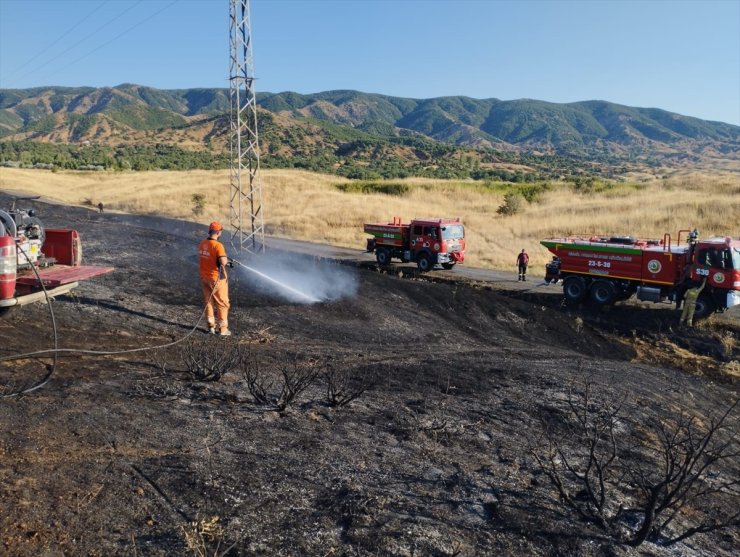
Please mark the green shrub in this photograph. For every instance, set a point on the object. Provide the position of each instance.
(199, 203)
(387, 188)
(590, 184)
(532, 192)
(512, 204)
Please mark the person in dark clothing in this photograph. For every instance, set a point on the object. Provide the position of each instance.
(522, 261)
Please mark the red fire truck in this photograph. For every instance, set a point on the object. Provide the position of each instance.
(428, 242)
(606, 269)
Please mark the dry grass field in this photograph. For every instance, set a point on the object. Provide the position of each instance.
(307, 206)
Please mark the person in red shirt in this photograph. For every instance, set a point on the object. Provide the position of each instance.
(213, 262)
(522, 261)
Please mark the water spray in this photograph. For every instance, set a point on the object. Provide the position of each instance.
(301, 295)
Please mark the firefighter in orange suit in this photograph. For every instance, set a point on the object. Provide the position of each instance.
(687, 315)
(213, 262)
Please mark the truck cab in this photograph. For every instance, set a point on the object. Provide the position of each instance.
(718, 261)
(436, 242)
(426, 241)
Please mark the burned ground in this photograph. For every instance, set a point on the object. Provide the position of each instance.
(127, 454)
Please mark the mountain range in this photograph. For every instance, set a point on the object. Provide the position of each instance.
(198, 119)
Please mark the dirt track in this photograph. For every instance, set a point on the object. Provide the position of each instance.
(119, 455)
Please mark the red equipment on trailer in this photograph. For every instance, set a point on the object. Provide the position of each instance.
(606, 269)
(37, 262)
(428, 242)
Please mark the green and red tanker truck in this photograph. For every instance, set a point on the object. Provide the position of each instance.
(427, 241)
(607, 269)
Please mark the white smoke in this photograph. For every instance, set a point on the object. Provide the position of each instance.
(297, 278)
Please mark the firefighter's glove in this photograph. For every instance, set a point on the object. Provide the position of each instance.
(230, 264)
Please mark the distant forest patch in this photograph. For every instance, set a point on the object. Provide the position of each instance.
(358, 166)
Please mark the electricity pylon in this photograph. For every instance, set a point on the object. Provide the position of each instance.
(247, 225)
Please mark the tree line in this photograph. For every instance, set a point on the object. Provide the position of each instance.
(358, 159)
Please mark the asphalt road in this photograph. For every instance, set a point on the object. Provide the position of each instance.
(501, 281)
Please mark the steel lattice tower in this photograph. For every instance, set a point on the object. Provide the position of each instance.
(247, 224)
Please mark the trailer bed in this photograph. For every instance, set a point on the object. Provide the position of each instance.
(59, 275)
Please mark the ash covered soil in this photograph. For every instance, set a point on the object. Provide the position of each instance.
(129, 454)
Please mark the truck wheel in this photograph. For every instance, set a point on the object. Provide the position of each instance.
(603, 292)
(448, 266)
(424, 262)
(383, 256)
(574, 290)
(705, 307)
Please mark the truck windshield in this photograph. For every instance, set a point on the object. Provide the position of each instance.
(736, 258)
(453, 232)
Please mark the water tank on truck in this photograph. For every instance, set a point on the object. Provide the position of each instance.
(606, 269)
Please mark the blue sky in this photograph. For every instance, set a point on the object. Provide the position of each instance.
(679, 55)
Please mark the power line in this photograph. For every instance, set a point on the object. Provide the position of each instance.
(113, 19)
(142, 22)
(95, 32)
(55, 41)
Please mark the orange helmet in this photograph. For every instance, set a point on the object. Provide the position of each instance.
(215, 226)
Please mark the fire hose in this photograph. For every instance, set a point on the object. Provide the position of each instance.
(56, 350)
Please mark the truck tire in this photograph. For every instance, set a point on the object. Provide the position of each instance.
(574, 290)
(705, 306)
(603, 292)
(383, 256)
(424, 263)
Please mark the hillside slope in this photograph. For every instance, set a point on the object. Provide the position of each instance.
(123, 454)
(134, 113)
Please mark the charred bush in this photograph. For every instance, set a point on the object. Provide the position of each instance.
(682, 474)
(663, 480)
(160, 360)
(297, 374)
(207, 360)
(257, 377)
(292, 377)
(581, 455)
(344, 386)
